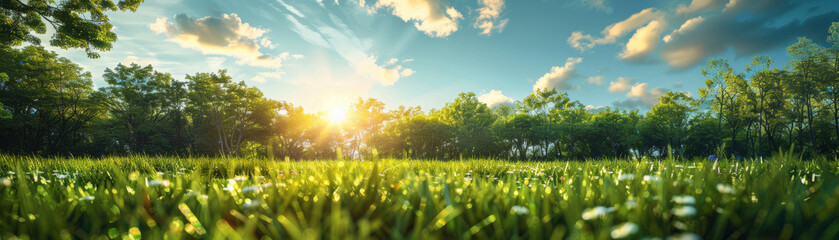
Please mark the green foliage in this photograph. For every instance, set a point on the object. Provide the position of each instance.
(158, 198)
(49, 102)
(77, 23)
(471, 121)
(140, 103)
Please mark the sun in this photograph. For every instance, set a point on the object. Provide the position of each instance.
(337, 114)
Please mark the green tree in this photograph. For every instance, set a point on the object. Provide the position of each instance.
(472, 121)
(517, 131)
(832, 89)
(612, 131)
(144, 102)
(428, 137)
(572, 120)
(670, 116)
(51, 101)
(231, 108)
(767, 100)
(808, 63)
(291, 125)
(366, 118)
(702, 136)
(392, 141)
(77, 23)
(4, 114)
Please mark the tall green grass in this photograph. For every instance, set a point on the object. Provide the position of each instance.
(154, 198)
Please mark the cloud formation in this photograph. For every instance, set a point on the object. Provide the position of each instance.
(644, 41)
(593, 109)
(488, 20)
(559, 76)
(386, 74)
(641, 96)
(433, 17)
(709, 27)
(701, 38)
(613, 32)
(621, 84)
(697, 6)
(596, 80)
(224, 35)
(495, 98)
(687, 26)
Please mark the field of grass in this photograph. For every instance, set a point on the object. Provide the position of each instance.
(156, 198)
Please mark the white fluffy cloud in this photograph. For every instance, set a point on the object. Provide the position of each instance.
(712, 27)
(644, 41)
(596, 80)
(386, 74)
(488, 20)
(697, 40)
(614, 31)
(593, 109)
(687, 26)
(621, 84)
(641, 96)
(494, 98)
(224, 35)
(559, 76)
(697, 6)
(433, 17)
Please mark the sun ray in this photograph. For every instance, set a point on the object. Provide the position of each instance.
(337, 114)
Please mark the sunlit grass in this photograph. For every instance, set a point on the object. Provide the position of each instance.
(146, 197)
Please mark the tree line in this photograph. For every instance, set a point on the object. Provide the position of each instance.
(50, 107)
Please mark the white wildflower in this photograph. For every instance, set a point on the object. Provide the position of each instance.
(5, 182)
(520, 210)
(684, 199)
(684, 211)
(596, 212)
(625, 230)
(161, 183)
(651, 178)
(87, 198)
(626, 177)
(251, 189)
(191, 193)
(685, 236)
(250, 203)
(725, 189)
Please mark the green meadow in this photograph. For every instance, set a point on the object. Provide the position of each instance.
(781, 197)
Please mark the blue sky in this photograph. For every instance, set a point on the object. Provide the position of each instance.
(323, 54)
